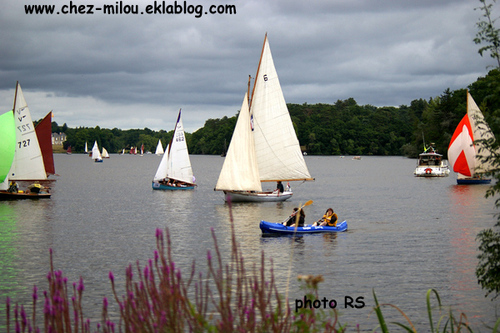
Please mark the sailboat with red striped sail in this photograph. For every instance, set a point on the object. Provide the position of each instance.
(463, 151)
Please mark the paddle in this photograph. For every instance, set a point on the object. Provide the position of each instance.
(304, 205)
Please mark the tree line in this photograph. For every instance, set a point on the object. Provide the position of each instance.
(343, 128)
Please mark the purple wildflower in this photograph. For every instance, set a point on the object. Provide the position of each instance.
(35, 293)
(81, 287)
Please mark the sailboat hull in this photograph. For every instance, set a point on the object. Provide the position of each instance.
(473, 181)
(5, 195)
(158, 186)
(269, 228)
(243, 196)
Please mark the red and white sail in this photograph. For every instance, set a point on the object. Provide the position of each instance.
(463, 152)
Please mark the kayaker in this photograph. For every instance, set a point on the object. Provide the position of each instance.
(290, 221)
(329, 219)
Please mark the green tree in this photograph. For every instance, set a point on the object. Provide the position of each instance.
(488, 268)
(488, 33)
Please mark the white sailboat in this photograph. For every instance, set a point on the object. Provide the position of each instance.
(174, 171)
(96, 154)
(463, 150)
(28, 159)
(86, 149)
(159, 148)
(22, 158)
(105, 153)
(264, 146)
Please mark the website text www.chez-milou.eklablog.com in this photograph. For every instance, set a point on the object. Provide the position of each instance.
(124, 8)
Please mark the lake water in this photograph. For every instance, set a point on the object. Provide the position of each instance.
(406, 234)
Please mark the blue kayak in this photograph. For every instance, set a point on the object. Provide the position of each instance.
(278, 228)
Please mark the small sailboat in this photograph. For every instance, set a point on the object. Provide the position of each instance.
(105, 153)
(142, 149)
(22, 159)
(68, 151)
(96, 154)
(174, 171)
(463, 151)
(86, 149)
(28, 160)
(264, 146)
(159, 148)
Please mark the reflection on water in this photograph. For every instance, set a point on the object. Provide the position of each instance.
(9, 274)
(406, 234)
(468, 211)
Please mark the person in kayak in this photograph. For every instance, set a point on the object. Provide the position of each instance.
(292, 219)
(329, 219)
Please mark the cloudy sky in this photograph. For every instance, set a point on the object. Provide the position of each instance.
(136, 71)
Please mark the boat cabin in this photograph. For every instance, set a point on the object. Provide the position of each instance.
(430, 159)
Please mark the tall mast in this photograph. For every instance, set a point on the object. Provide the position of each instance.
(257, 75)
(15, 99)
(248, 94)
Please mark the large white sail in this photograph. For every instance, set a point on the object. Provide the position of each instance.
(179, 165)
(278, 151)
(239, 171)
(28, 159)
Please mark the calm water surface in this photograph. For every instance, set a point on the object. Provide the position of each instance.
(406, 234)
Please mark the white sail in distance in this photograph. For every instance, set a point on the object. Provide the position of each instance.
(159, 148)
(96, 154)
(178, 163)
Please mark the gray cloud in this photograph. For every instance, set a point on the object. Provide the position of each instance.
(135, 71)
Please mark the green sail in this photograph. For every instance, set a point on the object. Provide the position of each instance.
(7, 143)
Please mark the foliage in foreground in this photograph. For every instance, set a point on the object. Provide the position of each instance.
(228, 298)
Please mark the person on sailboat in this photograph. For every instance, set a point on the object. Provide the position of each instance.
(279, 187)
(36, 188)
(292, 219)
(329, 219)
(13, 187)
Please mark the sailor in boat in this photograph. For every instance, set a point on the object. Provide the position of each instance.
(37, 188)
(279, 187)
(292, 219)
(13, 187)
(329, 219)
(173, 182)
